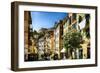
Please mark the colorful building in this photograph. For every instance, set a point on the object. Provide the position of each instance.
(27, 23)
(79, 22)
(49, 41)
(41, 47)
(58, 37)
(83, 20)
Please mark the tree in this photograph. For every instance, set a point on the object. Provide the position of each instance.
(72, 41)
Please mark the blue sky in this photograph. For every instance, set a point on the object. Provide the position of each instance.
(45, 19)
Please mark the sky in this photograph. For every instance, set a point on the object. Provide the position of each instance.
(45, 19)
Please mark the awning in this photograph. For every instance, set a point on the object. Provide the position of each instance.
(82, 24)
(63, 50)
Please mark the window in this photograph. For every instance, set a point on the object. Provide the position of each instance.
(80, 19)
(74, 26)
(74, 17)
(65, 25)
(69, 20)
(87, 17)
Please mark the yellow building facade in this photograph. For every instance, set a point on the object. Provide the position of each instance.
(77, 22)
